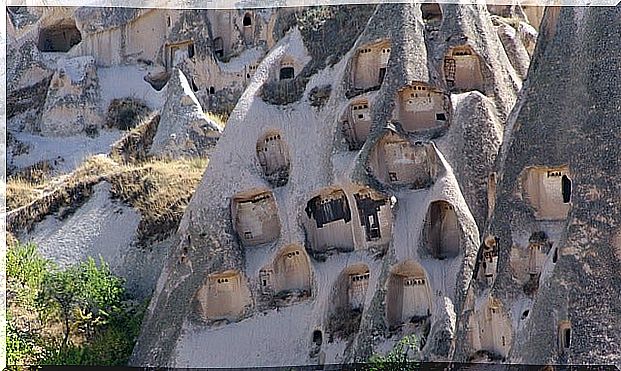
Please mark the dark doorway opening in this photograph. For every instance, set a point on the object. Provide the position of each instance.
(566, 185)
(286, 73)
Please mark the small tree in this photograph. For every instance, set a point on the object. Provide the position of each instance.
(404, 356)
(83, 294)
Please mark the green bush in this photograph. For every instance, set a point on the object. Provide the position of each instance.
(99, 322)
(402, 357)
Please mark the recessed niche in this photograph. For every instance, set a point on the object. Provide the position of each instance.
(273, 155)
(493, 327)
(441, 233)
(218, 47)
(225, 296)
(564, 336)
(431, 12)
(548, 190)
(351, 287)
(356, 124)
(538, 248)
(179, 52)
(289, 273)
(287, 69)
(397, 161)
(462, 69)
(375, 216)
(409, 294)
(59, 38)
(369, 65)
(489, 259)
(422, 107)
(255, 217)
(328, 221)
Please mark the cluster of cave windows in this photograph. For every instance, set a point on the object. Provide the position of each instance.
(224, 296)
(290, 272)
(255, 218)
(396, 161)
(441, 232)
(356, 125)
(273, 156)
(370, 212)
(357, 289)
(490, 328)
(413, 281)
(59, 38)
(409, 294)
(369, 67)
(549, 191)
(421, 107)
(328, 209)
(462, 70)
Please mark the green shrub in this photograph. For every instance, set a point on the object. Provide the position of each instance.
(99, 322)
(402, 357)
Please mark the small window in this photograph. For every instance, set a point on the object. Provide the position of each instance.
(566, 338)
(191, 51)
(382, 74)
(286, 73)
(440, 116)
(317, 338)
(566, 187)
(212, 90)
(168, 21)
(247, 20)
(525, 314)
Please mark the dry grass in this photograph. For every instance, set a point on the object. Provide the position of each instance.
(218, 118)
(158, 189)
(135, 145)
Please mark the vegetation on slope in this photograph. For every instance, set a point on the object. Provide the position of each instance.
(403, 356)
(159, 189)
(77, 315)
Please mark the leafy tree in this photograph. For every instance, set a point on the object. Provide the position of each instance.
(404, 356)
(86, 299)
(83, 294)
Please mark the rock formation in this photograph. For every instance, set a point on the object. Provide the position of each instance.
(547, 286)
(184, 129)
(341, 224)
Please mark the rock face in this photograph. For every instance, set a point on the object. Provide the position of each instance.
(548, 283)
(184, 130)
(343, 224)
(72, 102)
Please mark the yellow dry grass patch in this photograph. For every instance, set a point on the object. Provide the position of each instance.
(159, 189)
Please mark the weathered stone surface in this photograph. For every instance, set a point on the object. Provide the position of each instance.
(184, 130)
(72, 102)
(568, 115)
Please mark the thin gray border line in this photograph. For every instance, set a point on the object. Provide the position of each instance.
(177, 4)
(249, 4)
